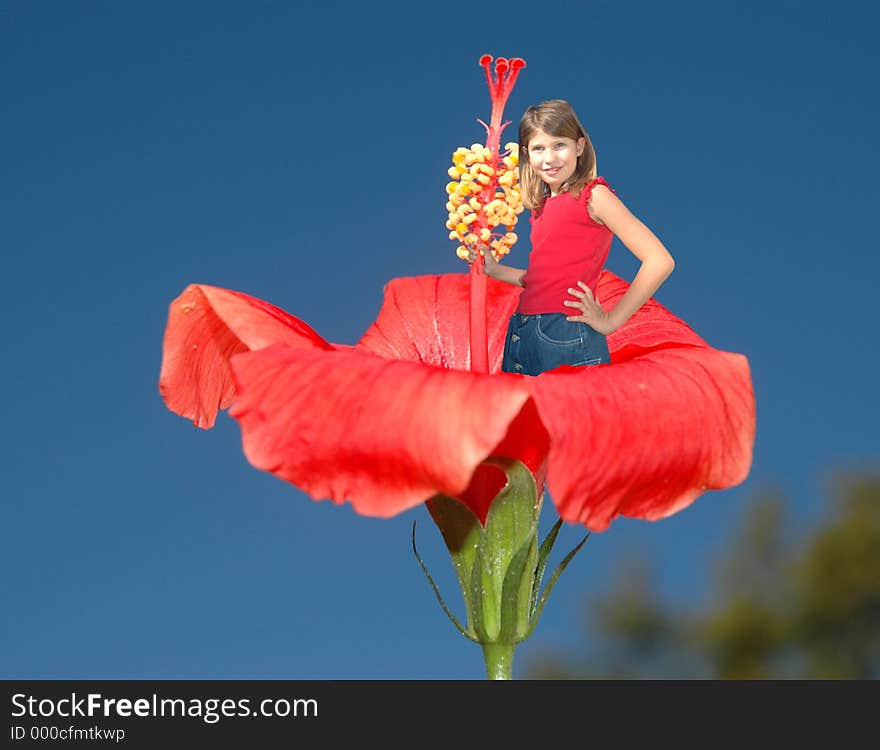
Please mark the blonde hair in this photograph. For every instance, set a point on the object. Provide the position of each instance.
(555, 117)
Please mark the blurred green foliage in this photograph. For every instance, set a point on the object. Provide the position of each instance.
(781, 608)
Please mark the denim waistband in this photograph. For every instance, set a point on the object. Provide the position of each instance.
(521, 317)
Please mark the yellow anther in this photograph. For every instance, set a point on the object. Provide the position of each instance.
(474, 210)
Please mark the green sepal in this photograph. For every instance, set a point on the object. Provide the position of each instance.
(517, 590)
(482, 555)
(551, 583)
(466, 633)
(543, 555)
(499, 566)
(511, 525)
(477, 613)
(462, 533)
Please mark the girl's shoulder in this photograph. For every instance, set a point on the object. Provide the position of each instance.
(587, 190)
(582, 197)
(586, 194)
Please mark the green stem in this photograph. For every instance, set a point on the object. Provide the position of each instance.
(499, 660)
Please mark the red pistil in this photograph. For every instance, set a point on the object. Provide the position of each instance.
(500, 87)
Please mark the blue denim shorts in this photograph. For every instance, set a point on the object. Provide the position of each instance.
(537, 343)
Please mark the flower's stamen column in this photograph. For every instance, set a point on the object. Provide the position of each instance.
(486, 181)
(506, 73)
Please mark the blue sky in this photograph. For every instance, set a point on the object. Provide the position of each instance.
(298, 152)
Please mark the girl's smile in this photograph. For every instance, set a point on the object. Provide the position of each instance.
(554, 157)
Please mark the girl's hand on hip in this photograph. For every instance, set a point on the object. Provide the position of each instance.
(590, 311)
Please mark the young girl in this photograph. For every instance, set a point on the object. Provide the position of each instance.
(574, 217)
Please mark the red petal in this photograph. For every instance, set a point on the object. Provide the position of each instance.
(526, 441)
(644, 437)
(651, 327)
(206, 327)
(426, 319)
(384, 434)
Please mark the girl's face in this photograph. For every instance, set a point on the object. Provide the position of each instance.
(554, 157)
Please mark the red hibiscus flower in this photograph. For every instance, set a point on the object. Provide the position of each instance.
(418, 409)
(399, 417)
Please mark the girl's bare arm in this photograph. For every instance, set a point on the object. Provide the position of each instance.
(657, 263)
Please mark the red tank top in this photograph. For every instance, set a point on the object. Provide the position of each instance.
(567, 247)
